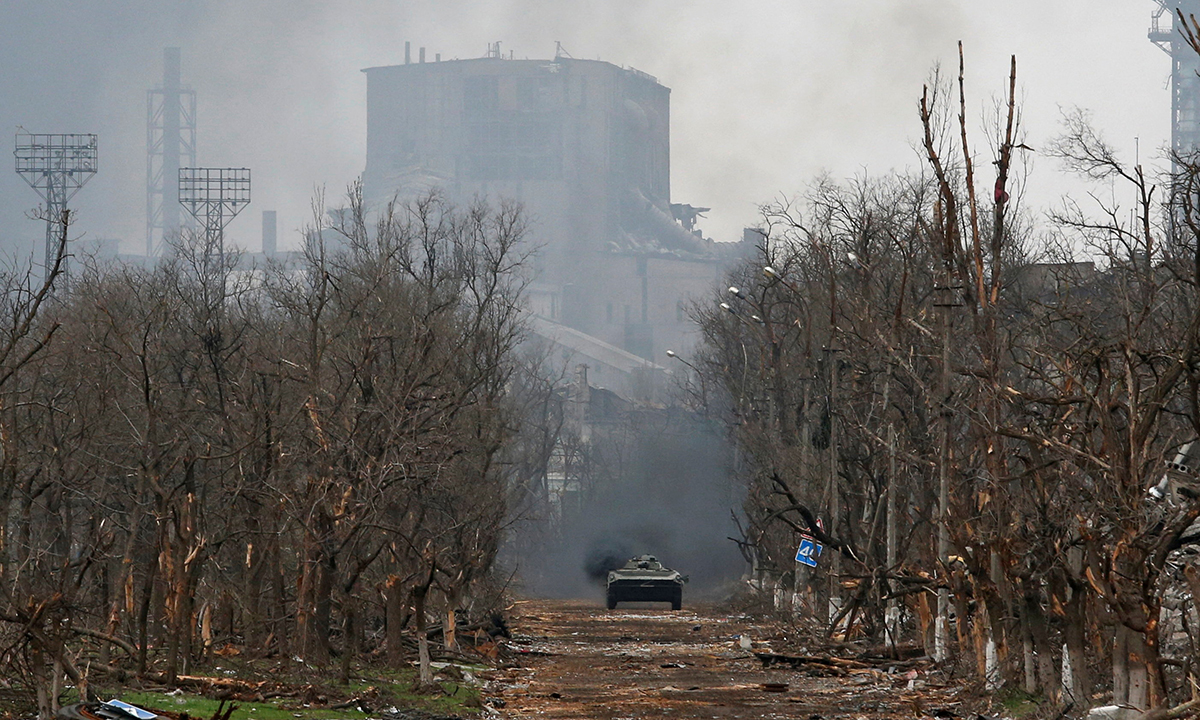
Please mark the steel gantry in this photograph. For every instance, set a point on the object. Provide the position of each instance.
(170, 144)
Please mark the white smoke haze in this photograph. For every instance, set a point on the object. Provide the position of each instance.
(765, 95)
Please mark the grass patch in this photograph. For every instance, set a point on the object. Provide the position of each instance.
(457, 698)
(380, 690)
(198, 706)
(1018, 703)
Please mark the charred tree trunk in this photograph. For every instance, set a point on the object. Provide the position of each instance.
(143, 618)
(323, 604)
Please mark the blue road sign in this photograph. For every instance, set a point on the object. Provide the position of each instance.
(808, 552)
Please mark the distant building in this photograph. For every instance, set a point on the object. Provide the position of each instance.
(585, 146)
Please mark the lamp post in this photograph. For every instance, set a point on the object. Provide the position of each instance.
(699, 376)
(745, 362)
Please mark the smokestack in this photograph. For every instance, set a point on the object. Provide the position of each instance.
(421, 55)
(171, 144)
(268, 233)
(437, 57)
(407, 52)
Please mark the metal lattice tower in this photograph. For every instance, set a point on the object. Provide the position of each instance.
(1185, 63)
(214, 196)
(170, 145)
(57, 166)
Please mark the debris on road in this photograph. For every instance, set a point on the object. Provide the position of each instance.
(602, 664)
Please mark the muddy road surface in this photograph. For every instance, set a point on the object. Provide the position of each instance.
(578, 660)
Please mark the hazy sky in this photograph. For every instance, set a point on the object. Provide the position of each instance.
(765, 95)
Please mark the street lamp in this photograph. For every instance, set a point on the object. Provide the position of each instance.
(774, 274)
(673, 354)
(699, 375)
(737, 293)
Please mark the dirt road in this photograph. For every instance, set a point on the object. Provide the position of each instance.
(578, 660)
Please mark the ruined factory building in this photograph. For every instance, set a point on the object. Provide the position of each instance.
(585, 146)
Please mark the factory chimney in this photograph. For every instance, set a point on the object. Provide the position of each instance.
(269, 241)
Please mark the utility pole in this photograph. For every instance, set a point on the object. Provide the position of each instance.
(941, 627)
(802, 574)
(892, 616)
(835, 509)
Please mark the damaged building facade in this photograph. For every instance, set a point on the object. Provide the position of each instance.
(584, 145)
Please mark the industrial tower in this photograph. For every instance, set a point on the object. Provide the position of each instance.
(56, 166)
(1185, 63)
(170, 145)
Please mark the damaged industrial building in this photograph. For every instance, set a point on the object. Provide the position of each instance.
(584, 145)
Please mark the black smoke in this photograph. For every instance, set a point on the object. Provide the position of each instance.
(605, 555)
(659, 483)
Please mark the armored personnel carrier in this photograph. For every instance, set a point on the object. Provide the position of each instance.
(644, 579)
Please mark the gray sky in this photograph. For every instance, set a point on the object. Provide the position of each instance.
(765, 95)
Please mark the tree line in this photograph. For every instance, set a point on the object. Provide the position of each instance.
(968, 409)
(304, 459)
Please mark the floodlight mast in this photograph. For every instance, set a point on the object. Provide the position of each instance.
(56, 166)
(214, 196)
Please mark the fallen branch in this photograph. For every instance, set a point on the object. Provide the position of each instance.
(129, 649)
(798, 661)
(203, 682)
(1187, 709)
